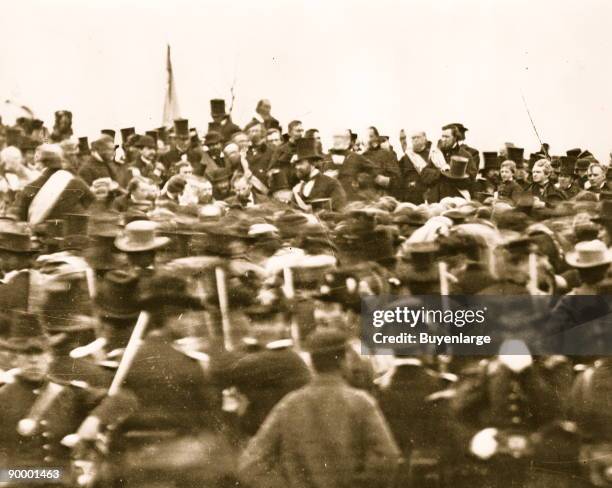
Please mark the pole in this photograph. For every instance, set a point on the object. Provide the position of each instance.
(224, 308)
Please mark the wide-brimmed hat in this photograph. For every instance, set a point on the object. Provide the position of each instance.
(458, 168)
(139, 236)
(589, 255)
(117, 295)
(16, 241)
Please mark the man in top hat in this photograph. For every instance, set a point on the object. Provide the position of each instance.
(346, 165)
(212, 157)
(263, 115)
(567, 181)
(313, 184)
(453, 182)
(450, 145)
(182, 149)
(258, 155)
(285, 153)
(222, 121)
(488, 179)
(221, 182)
(53, 194)
(331, 431)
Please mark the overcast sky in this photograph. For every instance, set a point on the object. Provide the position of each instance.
(413, 64)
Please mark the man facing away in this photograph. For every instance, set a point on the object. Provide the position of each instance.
(326, 434)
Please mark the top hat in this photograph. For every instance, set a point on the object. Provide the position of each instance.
(458, 168)
(589, 254)
(307, 148)
(162, 134)
(516, 154)
(26, 334)
(153, 135)
(573, 152)
(16, 241)
(139, 236)
(217, 106)
(110, 133)
(145, 141)
(181, 128)
(83, 146)
(116, 296)
(126, 133)
(491, 160)
(568, 165)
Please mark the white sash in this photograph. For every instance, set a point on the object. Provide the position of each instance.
(46, 198)
(418, 162)
(298, 198)
(437, 158)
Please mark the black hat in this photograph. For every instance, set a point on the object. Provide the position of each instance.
(220, 174)
(145, 141)
(307, 148)
(583, 163)
(458, 168)
(83, 146)
(278, 181)
(491, 160)
(217, 106)
(181, 128)
(457, 125)
(568, 165)
(26, 334)
(212, 137)
(126, 133)
(162, 134)
(573, 152)
(16, 241)
(153, 135)
(37, 124)
(327, 341)
(110, 133)
(166, 289)
(605, 212)
(117, 295)
(516, 154)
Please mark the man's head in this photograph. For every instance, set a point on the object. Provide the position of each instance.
(449, 137)
(342, 140)
(214, 142)
(204, 191)
(11, 160)
(147, 147)
(231, 154)
(596, 175)
(264, 108)
(104, 147)
(540, 173)
(141, 189)
(327, 350)
(217, 109)
(419, 141)
(273, 137)
(70, 150)
(373, 138)
(303, 168)
(220, 180)
(184, 169)
(242, 187)
(241, 140)
(255, 133)
(314, 134)
(296, 130)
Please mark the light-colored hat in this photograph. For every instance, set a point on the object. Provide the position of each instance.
(589, 254)
(138, 236)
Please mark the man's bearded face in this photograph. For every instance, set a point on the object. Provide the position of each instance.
(303, 169)
(447, 140)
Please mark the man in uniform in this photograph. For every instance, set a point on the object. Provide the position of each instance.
(325, 434)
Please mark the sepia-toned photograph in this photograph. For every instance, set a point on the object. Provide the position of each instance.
(306, 244)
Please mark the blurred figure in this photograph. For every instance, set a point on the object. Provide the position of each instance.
(70, 148)
(264, 115)
(273, 137)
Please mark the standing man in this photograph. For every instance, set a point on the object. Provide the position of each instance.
(222, 121)
(273, 138)
(264, 116)
(145, 163)
(100, 163)
(417, 171)
(346, 165)
(259, 154)
(325, 434)
(450, 146)
(387, 172)
(182, 149)
(283, 157)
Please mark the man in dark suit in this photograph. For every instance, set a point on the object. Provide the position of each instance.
(55, 193)
(259, 154)
(222, 121)
(145, 162)
(182, 149)
(454, 182)
(417, 171)
(100, 163)
(283, 155)
(313, 184)
(450, 145)
(346, 165)
(264, 115)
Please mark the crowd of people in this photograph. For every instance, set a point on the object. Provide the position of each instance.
(180, 309)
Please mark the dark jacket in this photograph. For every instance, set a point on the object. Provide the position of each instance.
(547, 193)
(226, 128)
(325, 187)
(448, 187)
(92, 169)
(413, 185)
(510, 190)
(348, 171)
(174, 155)
(458, 150)
(260, 159)
(75, 198)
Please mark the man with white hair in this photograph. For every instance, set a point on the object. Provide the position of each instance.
(347, 165)
(417, 170)
(56, 193)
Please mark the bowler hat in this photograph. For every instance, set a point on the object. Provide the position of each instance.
(458, 168)
(217, 106)
(589, 254)
(117, 295)
(16, 241)
(212, 137)
(327, 341)
(145, 141)
(307, 148)
(139, 236)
